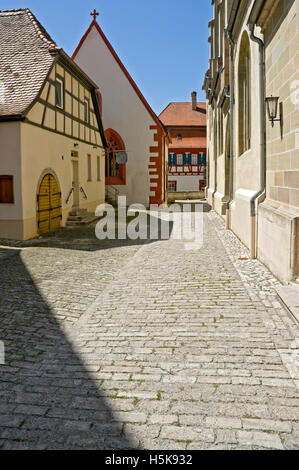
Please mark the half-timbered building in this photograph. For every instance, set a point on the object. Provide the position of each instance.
(186, 124)
(52, 143)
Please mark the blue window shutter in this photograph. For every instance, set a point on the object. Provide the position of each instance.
(174, 159)
(170, 159)
(185, 159)
(200, 158)
(189, 159)
(204, 158)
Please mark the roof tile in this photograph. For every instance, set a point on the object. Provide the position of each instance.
(27, 54)
(181, 114)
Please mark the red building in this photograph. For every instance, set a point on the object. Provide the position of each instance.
(186, 123)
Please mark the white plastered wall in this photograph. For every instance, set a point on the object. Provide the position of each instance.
(45, 151)
(123, 111)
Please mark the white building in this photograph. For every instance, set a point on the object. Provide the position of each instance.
(130, 124)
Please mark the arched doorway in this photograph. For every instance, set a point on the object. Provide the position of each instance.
(49, 204)
(115, 172)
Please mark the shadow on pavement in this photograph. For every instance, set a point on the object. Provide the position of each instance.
(48, 399)
(84, 238)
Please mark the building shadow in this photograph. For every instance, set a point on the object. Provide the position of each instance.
(84, 238)
(48, 398)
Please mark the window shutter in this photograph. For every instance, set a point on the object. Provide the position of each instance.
(200, 158)
(174, 159)
(6, 190)
(170, 159)
(204, 158)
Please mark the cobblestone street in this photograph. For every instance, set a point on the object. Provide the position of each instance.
(144, 345)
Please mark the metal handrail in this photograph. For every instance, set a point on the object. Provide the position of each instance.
(69, 195)
(83, 192)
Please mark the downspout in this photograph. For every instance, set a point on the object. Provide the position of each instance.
(261, 192)
(215, 147)
(231, 128)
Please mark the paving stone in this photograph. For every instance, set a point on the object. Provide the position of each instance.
(125, 345)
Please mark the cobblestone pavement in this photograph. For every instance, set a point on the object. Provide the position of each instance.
(148, 346)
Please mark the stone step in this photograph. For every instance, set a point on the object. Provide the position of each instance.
(80, 223)
(78, 212)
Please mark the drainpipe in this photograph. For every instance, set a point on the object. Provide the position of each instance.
(231, 127)
(260, 194)
(215, 146)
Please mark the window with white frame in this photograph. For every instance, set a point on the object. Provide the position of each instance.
(59, 92)
(180, 160)
(172, 186)
(194, 159)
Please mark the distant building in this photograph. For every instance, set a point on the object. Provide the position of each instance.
(52, 143)
(131, 126)
(186, 123)
(253, 161)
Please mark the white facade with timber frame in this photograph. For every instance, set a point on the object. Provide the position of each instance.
(51, 135)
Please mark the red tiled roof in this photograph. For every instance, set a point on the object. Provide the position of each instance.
(188, 143)
(181, 114)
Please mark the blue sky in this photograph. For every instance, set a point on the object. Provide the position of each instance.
(162, 43)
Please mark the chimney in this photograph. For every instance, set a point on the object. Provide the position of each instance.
(194, 100)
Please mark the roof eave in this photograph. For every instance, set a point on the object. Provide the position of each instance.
(12, 117)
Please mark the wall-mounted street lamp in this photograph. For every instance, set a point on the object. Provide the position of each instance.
(76, 145)
(272, 109)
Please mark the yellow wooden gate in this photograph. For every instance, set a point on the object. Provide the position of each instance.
(49, 205)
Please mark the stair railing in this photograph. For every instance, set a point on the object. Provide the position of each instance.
(69, 195)
(83, 192)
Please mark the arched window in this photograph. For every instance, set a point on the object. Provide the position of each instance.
(244, 95)
(115, 172)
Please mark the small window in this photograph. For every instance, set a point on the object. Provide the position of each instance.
(59, 89)
(179, 136)
(98, 169)
(86, 110)
(194, 159)
(180, 159)
(88, 167)
(172, 186)
(6, 190)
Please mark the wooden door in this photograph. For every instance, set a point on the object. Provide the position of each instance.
(49, 205)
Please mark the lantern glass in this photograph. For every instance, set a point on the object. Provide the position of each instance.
(272, 106)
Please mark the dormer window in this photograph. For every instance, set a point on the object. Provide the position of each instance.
(86, 110)
(59, 90)
(179, 136)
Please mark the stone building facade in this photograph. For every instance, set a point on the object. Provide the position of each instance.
(253, 163)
